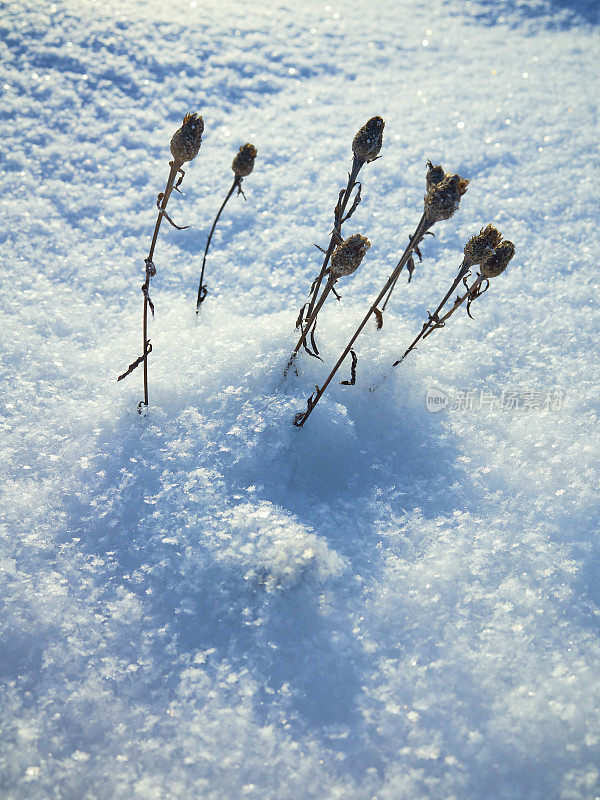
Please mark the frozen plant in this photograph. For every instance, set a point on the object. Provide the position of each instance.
(442, 199)
(492, 255)
(242, 166)
(185, 145)
(440, 203)
(365, 148)
(346, 259)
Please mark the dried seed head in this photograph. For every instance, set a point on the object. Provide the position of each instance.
(243, 163)
(498, 261)
(479, 248)
(186, 141)
(442, 199)
(435, 174)
(368, 141)
(347, 256)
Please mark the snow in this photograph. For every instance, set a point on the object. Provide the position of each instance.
(206, 601)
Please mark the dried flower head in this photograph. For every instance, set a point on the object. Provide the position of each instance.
(498, 261)
(347, 256)
(442, 199)
(187, 139)
(243, 163)
(435, 174)
(368, 141)
(481, 247)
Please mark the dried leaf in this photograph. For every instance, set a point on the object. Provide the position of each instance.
(147, 296)
(301, 418)
(355, 202)
(352, 380)
(314, 344)
(418, 252)
(136, 363)
(315, 351)
(300, 319)
(337, 211)
(474, 295)
(170, 221)
(379, 316)
(181, 174)
(410, 266)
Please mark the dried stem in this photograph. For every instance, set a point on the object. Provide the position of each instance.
(434, 320)
(202, 291)
(493, 255)
(311, 320)
(387, 299)
(336, 235)
(175, 168)
(411, 267)
(185, 144)
(421, 229)
(473, 291)
(315, 302)
(162, 201)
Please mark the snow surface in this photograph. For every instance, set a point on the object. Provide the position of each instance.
(207, 602)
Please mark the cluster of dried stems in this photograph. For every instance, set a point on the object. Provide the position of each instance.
(441, 201)
(343, 256)
(185, 145)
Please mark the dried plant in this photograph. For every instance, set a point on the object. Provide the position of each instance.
(442, 199)
(185, 145)
(242, 166)
(345, 260)
(366, 146)
(443, 193)
(492, 255)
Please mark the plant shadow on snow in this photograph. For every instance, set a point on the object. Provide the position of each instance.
(357, 451)
(233, 528)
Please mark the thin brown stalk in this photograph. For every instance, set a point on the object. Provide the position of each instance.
(485, 249)
(472, 292)
(336, 235)
(150, 269)
(184, 146)
(202, 291)
(411, 268)
(422, 227)
(433, 320)
(366, 146)
(311, 320)
(315, 303)
(389, 294)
